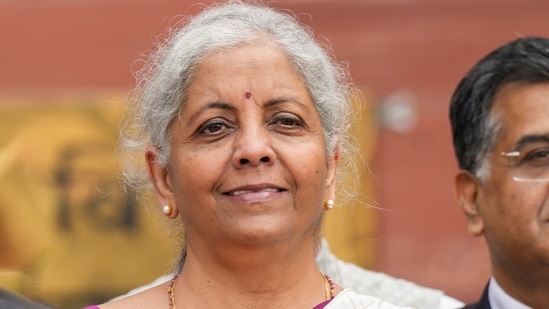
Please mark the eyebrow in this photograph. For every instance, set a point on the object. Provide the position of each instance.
(230, 107)
(274, 102)
(531, 138)
(213, 105)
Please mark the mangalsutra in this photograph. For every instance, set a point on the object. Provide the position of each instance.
(328, 286)
(171, 293)
(328, 289)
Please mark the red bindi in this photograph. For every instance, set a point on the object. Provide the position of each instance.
(248, 94)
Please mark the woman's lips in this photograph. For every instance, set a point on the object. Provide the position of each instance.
(241, 192)
(254, 193)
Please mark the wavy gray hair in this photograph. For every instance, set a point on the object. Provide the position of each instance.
(166, 76)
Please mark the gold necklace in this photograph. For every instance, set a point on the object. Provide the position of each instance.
(171, 293)
(328, 289)
(328, 286)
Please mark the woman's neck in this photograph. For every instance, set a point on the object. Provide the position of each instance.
(274, 276)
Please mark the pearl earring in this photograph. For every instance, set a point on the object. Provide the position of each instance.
(328, 204)
(167, 210)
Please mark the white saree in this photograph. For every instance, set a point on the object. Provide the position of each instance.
(349, 299)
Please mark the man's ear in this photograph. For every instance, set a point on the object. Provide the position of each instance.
(466, 192)
(333, 159)
(161, 182)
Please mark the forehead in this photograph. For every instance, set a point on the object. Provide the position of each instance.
(256, 59)
(257, 68)
(522, 109)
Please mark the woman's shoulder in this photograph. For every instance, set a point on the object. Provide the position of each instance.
(348, 298)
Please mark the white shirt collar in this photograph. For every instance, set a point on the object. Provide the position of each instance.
(499, 299)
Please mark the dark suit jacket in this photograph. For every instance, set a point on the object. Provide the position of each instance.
(9, 300)
(484, 302)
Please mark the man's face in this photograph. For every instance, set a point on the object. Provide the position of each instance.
(511, 213)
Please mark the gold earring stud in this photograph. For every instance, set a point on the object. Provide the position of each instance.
(328, 204)
(167, 210)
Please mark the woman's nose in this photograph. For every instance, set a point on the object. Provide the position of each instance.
(253, 147)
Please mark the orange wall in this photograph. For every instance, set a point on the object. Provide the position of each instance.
(423, 47)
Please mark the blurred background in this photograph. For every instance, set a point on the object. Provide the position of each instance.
(71, 236)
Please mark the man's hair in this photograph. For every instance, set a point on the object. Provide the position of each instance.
(474, 128)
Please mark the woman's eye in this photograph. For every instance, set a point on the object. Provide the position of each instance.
(212, 127)
(288, 121)
(538, 156)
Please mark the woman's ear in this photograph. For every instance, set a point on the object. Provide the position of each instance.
(333, 159)
(466, 192)
(161, 182)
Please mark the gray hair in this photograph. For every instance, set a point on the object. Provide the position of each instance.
(475, 129)
(166, 76)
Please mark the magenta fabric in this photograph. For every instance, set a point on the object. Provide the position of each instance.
(322, 304)
(319, 306)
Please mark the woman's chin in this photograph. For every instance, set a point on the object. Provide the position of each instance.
(261, 234)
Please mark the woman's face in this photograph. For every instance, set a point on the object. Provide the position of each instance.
(248, 161)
